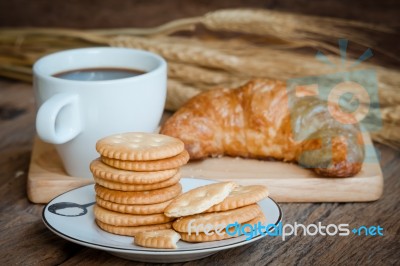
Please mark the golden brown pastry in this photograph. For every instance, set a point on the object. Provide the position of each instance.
(259, 120)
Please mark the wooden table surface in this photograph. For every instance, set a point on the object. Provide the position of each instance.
(26, 241)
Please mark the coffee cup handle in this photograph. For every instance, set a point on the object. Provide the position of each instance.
(58, 119)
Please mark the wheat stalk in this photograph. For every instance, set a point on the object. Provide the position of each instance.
(165, 29)
(302, 29)
(264, 63)
(178, 93)
(196, 74)
(178, 52)
(78, 34)
(196, 65)
(389, 135)
(286, 25)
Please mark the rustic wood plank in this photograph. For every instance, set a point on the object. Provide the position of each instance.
(47, 178)
(25, 240)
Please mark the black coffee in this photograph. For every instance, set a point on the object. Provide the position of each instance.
(96, 74)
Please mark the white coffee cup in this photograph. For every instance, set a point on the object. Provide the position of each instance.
(73, 115)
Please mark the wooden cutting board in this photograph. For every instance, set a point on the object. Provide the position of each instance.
(286, 182)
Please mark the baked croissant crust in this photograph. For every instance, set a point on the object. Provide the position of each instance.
(263, 119)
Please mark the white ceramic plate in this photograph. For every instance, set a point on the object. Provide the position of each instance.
(70, 216)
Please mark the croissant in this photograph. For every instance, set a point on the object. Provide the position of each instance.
(263, 119)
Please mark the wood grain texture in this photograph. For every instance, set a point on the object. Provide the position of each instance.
(139, 13)
(26, 241)
(291, 183)
(47, 178)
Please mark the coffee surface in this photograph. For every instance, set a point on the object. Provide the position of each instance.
(98, 74)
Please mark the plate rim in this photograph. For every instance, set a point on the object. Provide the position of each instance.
(150, 251)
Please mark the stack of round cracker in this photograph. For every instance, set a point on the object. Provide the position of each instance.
(137, 176)
(207, 209)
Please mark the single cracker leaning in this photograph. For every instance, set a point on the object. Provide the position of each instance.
(131, 230)
(137, 146)
(158, 239)
(199, 199)
(213, 236)
(133, 208)
(130, 187)
(122, 219)
(199, 222)
(146, 166)
(102, 170)
(241, 196)
(139, 197)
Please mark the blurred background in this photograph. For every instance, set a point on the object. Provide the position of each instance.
(278, 40)
(142, 13)
(89, 14)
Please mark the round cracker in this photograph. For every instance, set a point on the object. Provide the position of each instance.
(123, 219)
(133, 209)
(199, 199)
(139, 146)
(199, 221)
(139, 197)
(102, 170)
(146, 166)
(130, 187)
(202, 237)
(241, 196)
(158, 239)
(131, 230)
